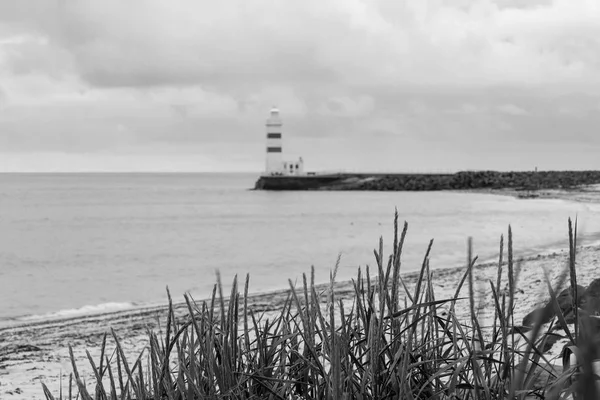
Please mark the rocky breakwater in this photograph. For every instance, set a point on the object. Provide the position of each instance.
(466, 180)
(524, 180)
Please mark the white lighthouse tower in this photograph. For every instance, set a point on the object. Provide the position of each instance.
(275, 163)
(274, 143)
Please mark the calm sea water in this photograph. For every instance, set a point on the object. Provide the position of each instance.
(83, 243)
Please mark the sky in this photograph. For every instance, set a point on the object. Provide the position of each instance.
(362, 85)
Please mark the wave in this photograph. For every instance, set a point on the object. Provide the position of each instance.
(78, 312)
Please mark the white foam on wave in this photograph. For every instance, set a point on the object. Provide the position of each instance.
(81, 311)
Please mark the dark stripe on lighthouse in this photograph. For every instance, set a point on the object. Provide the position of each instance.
(273, 135)
(273, 149)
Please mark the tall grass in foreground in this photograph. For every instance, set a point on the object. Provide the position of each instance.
(390, 342)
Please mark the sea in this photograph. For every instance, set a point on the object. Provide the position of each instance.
(86, 243)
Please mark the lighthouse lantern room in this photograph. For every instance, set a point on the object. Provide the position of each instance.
(276, 166)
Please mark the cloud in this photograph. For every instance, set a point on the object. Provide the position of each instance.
(114, 77)
(511, 109)
(360, 106)
(235, 44)
(466, 108)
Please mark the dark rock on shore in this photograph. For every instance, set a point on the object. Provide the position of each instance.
(588, 309)
(588, 300)
(565, 303)
(591, 301)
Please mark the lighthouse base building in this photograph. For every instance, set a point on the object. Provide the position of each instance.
(276, 165)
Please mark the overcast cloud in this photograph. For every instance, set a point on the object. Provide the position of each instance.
(362, 85)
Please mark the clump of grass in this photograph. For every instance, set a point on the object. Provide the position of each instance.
(390, 342)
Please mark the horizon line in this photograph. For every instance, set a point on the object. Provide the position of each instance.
(259, 172)
(128, 172)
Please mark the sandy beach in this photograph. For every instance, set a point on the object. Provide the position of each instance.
(38, 352)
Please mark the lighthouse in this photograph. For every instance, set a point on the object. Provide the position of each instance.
(275, 163)
(274, 143)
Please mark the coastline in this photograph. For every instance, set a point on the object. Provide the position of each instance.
(32, 352)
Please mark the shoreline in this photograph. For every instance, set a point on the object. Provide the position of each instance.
(341, 286)
(582, 194)
(38, 351)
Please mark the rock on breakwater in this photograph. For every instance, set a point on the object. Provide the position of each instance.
(519, 180)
